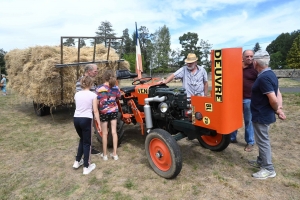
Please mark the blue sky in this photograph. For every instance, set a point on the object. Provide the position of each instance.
(223, 23)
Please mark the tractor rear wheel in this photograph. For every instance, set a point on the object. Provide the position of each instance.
(120, 132)
(216, 142)
(163, 153)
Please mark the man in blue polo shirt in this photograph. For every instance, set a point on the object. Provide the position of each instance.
(266, 101)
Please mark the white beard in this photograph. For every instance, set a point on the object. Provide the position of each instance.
(190, 68)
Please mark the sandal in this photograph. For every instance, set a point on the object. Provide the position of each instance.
(249, 147)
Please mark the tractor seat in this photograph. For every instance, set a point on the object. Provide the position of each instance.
(125, 74)
(128, 89)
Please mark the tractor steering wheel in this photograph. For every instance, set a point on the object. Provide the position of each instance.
(141, 80)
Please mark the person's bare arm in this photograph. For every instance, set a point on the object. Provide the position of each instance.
(167, 80)
(205, 88)
(273, 100)
(279, 111)
(276, 104)
(170, 78)
(96, 113)
(279, 99)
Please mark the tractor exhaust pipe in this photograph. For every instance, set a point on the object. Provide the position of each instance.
(147, 110)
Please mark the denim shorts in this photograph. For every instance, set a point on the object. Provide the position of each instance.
(108, 116)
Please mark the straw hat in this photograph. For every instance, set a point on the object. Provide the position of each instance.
(191, 58)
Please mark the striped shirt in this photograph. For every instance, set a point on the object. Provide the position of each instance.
(78, 86)
(193, 83)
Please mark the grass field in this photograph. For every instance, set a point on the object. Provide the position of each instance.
(37, 154)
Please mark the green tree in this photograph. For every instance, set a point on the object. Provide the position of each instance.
(130, 57)
(82, 42)
(256, 47)
(127, 43)
(204, 57)
(293, 56)
(69, 42)
(105, 30)
(189, 42)
(144, 39)
(175, 57)
(151, 53)
(2, 61)
(282, 44)
(276, 60)
(161, 48)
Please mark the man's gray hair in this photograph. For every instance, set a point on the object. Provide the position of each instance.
(89, 67)
(262, 58)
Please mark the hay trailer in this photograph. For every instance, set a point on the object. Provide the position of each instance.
(42, 109)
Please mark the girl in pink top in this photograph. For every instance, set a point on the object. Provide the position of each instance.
(86, 103)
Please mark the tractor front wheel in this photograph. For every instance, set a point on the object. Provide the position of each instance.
(215, 142)
(163, 153)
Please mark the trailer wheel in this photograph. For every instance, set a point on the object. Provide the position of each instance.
(216, 142)
(41, 109)
(163, 153)
(120, 132)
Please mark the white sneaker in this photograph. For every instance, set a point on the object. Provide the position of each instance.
(87, 170)
(264, 174)
(103, 157)
(116, 157)
(77, 164)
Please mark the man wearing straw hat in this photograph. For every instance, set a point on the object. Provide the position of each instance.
(193, 76)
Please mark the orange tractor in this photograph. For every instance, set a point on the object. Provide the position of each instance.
(167, 115)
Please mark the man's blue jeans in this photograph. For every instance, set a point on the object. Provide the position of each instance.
(249, 133)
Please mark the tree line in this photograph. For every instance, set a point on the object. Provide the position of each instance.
(158, 56)
(285, 51)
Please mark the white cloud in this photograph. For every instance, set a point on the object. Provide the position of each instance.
(224, 23)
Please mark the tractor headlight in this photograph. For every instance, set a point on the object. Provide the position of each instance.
(163, 107)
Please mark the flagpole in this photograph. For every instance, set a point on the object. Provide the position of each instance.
(138, 61)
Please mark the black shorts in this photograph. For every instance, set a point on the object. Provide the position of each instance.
(109, 116)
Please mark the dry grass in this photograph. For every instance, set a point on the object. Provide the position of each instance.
(37, 154)
(288, 82)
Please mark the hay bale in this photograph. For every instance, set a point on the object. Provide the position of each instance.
(33, 73)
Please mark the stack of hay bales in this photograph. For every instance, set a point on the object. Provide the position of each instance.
(32, 72)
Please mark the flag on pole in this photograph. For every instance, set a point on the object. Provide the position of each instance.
(138, 59)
